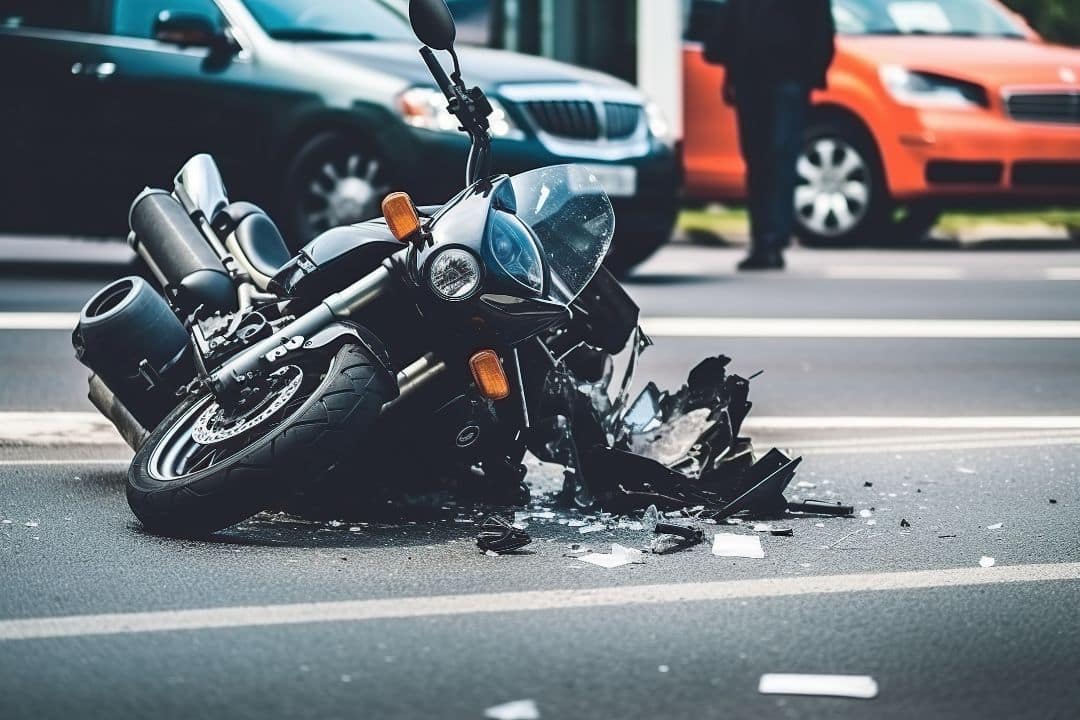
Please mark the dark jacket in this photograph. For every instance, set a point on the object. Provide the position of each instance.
(770, 41)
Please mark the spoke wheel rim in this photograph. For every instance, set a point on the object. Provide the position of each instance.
(179, 455)
(834, 188)
(342, 189)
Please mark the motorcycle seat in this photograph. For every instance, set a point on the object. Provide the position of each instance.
(255, 236)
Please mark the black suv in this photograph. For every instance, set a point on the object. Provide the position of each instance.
(314, 109)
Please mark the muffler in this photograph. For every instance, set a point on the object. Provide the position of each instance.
(181, 259)
(139, 353)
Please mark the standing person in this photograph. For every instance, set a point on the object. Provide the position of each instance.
(775, 53)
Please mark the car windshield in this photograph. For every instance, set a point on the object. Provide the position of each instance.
(958, 18)
(567, 208)
(315, 20)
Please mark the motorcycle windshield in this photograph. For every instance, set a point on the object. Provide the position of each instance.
(567, 208)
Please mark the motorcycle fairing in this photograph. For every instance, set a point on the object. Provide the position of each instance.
(335, 259)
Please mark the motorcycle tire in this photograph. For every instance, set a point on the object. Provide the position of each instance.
(171, 494)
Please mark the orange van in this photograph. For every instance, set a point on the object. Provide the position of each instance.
(931, 104)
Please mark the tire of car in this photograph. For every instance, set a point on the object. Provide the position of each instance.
(338, 408)
(336, 178)
(840, 198)
(916, 222)
(630, 249)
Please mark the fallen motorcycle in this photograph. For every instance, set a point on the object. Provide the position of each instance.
(447, 340)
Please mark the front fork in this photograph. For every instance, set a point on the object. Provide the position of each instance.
(229, 378)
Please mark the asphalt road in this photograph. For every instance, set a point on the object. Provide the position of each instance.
(284, 618)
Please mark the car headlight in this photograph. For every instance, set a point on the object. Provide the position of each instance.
(658, 123)
(921, 89)
(426, 108)
(454, 274)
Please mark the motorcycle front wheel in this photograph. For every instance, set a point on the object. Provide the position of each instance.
(204, 469)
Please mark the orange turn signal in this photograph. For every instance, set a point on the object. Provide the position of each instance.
(401, 216)
(487, 371)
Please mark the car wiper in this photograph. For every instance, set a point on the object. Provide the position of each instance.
(315, 35)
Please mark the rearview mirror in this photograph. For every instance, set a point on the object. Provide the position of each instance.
(187, 30)
(432, 23)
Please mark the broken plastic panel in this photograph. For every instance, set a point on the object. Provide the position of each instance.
(499, 536)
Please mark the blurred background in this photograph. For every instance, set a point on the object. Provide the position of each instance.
(959, 118)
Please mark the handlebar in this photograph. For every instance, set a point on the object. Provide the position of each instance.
(437, 72)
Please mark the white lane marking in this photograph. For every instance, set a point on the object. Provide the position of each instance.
(38, 321)
(894, 272)
(108, 462)
(931, 443)
(904, 422)
(88, 428)
(941, 446)
(475, 604)
(712, 327)
(1063, 273)
(57, 428)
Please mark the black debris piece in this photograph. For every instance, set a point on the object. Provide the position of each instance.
(1053, 501)
(782, 532)
(820, 507)
(499, 536)
(693, 535)
(904, 523)
(868, 484)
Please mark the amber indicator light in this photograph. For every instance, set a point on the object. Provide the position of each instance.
(487, 371)
(401, 216)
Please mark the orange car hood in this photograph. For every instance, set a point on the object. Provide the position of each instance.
(988, 61)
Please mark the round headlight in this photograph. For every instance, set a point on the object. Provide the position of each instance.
(454, 274)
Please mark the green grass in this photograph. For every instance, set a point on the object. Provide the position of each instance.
(733, 220)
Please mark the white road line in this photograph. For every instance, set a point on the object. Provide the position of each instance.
(712, 327)
(87, 428)
(1063, 273)
(903, 422)
(516, 602)
(56, 429)
(932, 443)
(938, 446)
(893, 272)
(108, 462)
(38, 321)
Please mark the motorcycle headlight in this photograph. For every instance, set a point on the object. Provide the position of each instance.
(454, 274)
(920, 89)
(514, 250)
(426, 108)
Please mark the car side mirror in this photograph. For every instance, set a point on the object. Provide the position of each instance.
(432, 23)
(189, 30)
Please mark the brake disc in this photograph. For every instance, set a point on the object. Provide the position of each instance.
(214, 425)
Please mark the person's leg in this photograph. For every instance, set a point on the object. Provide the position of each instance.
(790, 105)
(752, 111)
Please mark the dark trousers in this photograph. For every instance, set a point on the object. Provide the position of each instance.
(772, 120)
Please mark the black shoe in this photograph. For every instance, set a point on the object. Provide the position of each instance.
(763, 260)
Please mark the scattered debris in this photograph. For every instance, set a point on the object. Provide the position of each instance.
(1053, 501)
(865, 513)
(31, 523)
(904, 523)
(946, 536)
(732, 545)
(619, 555)
(662, 668)
(868, 484)
(782, 532)
(516, 710)
(820, 507)
(850, 686)
(499, 536)
(804, 485)
(596, 527)
(965, 470)
(995, 526)
(986, 561)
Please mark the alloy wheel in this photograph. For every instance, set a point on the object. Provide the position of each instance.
(832, 195)
(343, 191)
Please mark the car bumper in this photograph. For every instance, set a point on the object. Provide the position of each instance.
(434, 170)
(981, 155)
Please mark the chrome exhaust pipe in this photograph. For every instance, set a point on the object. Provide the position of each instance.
(116, 412)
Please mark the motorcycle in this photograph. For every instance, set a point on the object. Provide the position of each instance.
(448, 339)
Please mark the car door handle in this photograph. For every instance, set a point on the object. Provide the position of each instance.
(96, 70)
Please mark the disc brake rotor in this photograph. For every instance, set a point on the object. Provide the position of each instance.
(214, 425)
